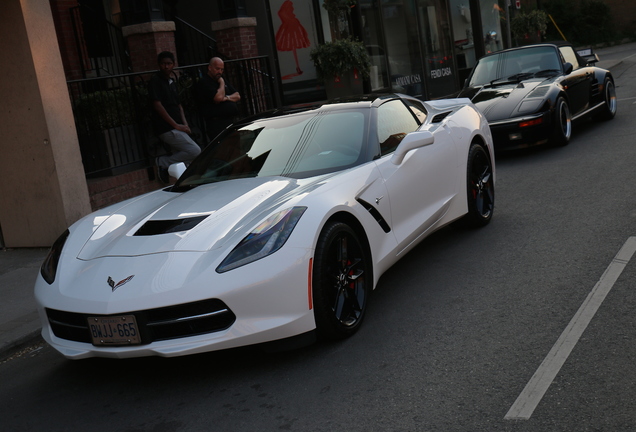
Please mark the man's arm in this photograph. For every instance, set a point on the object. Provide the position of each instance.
(220, 93)
(234, 97)
(158, 106)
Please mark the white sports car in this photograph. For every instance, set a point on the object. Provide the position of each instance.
(278, 231)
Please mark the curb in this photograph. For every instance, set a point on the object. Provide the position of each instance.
(9, 348)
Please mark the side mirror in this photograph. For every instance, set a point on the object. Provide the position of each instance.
(410, 142)
(568, 68)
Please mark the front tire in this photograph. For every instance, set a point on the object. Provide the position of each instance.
(341, 283)
(480, 187)
(609, 111)
(562, 123)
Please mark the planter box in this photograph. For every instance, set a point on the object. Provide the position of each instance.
(349, 84)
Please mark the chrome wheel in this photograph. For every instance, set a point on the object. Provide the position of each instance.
(562, 124)
(611, 104)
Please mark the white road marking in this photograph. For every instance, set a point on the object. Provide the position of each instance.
(532, 394)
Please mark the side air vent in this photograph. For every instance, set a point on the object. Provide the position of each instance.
(376, 215)
(595, 89)
(155, 227)
(439, 117)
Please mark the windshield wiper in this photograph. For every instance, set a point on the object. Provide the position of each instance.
(511, 79)
(547, 71)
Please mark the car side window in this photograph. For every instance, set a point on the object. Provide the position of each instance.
(570, 56)
(394, 122)
(417, 109)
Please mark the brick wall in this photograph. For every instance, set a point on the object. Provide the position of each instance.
(61, 11)
(111, 190)
(146, 40)
(236, 37)
(236, 43)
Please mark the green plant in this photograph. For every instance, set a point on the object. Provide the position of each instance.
(339, 57)
(525, 24)
(106, 109)
(336, 6)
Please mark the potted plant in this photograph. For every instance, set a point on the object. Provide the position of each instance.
(341, 64)
(529, 27)
(337, 6)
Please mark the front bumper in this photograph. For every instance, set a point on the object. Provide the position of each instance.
(264, 301)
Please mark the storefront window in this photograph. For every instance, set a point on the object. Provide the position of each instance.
(492, 13)
(373, 37)
(441, 76)
(494, 34)
(403, 50)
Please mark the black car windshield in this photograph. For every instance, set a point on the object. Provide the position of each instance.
(296, 145)
(511, 66)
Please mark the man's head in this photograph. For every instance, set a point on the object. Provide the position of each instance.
(215, 68)
(165, 60)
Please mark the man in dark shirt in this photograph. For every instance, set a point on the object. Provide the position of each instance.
(217, 99)
(168, 118)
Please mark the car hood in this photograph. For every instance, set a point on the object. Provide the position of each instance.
(201, 219)
(505, 101)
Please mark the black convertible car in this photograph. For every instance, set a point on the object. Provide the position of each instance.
(530, 95)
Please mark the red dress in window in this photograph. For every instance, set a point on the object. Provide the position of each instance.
(291, 34)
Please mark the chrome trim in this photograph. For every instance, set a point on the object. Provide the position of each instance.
(587, 111)
(190, 318)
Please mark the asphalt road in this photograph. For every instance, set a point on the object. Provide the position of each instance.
(455, 331)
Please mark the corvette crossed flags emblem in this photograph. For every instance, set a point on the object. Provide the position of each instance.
(114, 285)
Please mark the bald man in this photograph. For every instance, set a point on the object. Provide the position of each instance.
(217, 99)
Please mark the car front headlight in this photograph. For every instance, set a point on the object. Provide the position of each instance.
(264, 240)
(49, 266)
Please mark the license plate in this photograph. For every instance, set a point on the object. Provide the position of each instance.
(114, 330)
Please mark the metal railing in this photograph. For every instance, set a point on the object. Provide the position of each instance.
(112, 114)
(193, 46)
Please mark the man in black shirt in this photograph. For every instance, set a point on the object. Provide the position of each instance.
(168, 118)
(217, 99)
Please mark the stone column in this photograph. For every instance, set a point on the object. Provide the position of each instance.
(146, 40)
(43, 188)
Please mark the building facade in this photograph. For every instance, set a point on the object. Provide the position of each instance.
(424, 48)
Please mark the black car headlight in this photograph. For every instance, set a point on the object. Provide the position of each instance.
(49, 266)
(264, 240)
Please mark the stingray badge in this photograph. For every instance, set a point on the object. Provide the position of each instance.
(114, 285)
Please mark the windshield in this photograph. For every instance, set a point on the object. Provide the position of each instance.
(296, 145)
(515, 65)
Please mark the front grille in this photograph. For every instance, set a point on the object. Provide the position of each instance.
(171, 322)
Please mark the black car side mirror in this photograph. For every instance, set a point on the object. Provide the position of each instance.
(568, 68)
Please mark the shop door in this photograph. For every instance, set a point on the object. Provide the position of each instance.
(435, 32)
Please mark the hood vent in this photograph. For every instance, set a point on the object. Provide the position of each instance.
(155, 227)
(539, 91)
(439, 117)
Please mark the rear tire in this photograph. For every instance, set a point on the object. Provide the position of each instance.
(609, 110)
(480, 187)
(562, 125)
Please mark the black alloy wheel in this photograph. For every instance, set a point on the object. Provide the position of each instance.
(609, 111)
(342, 278)
(481, 187)
(562, 127)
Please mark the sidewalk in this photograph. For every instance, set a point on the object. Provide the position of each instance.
(19, 322)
